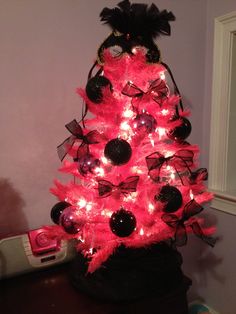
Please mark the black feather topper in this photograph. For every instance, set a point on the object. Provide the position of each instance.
(138, 19)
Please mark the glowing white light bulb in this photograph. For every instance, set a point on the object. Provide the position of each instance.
(124, 126)
(104, 160)
(135, 169)
(151, 140)
(151, 208)
(88, 206)
(99, 171)
(164, 112)
(162, 75)
(81, 239)
(161, 131)
(168, 154)
(191, 194)
(125, 135)
(128, 113)
(131, 197)
(106, 212)
(81, 203)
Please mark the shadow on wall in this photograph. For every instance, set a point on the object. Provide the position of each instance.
(201, 262)
(12, 218)
(208, 262)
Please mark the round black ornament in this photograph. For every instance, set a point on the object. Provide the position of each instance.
(145, 120)
(118, 151)
(71, 221)
(57, 210)
(124, 43)
(171, 197)
(182, 131)
(94, 88)
(122, 223)
(87, 163)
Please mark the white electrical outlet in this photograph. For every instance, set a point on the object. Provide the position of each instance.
(31, 251)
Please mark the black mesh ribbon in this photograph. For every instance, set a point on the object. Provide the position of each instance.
(191, 209)
(158, 91)
(93, 137)
(105, 188)
(181, 159)
(200, 174)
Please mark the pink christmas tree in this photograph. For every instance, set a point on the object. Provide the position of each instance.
(135, 179)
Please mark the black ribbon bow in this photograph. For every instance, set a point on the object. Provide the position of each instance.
(158, 91)
(198, 175)
(183, 158)
(191, 209)
(93, 137)
(105, 188)
(138, 19)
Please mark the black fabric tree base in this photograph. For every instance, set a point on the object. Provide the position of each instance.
(132, 274)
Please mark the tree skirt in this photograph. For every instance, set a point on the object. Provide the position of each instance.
(131, 274)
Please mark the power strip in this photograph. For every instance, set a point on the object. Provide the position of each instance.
(31, 251)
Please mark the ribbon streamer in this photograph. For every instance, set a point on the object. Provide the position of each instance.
(181, 159)
(93, 137)
(158, 91)
(105, 188)
(191, 209)
(176, 89)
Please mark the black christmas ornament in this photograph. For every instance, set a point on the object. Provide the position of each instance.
(171, 197)
(57, 210)
(87, 163)
(118, 151)
(182, 131)
(145, 120)
(135, 26)
(95, 86)
(72, 221)
(122, 223)
(120, 44)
